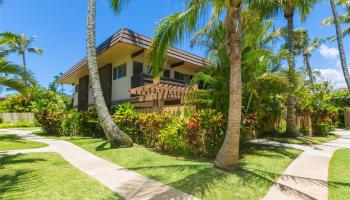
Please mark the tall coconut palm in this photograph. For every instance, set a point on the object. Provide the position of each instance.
(304, 45)
(21, 44)
(339, 35)
(115, 136)
(344, 20)
(288, 8)
(173, 28)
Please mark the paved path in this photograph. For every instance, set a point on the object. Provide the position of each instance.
(128, 184)
(306, 178)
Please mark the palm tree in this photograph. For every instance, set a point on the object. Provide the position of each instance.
(173, 28)
(337, 20)
(343, 20)
(304, 45)
(115, 136)
(9, 74)
(21, 44)
(288, 8)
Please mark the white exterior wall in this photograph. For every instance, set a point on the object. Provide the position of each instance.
(120, 87)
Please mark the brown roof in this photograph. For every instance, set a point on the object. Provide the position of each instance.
(132, 38)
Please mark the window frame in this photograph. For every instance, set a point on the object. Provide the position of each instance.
(117, 74)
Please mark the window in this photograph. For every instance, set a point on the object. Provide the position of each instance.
(179, 76)
(182, 77)
(166, 73)
(119, 72)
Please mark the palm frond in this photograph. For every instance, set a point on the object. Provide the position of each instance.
(13, 83)
(35, 50)
(118, 5)
(172, 30)
(13, 69)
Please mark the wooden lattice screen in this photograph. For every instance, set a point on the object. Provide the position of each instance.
(160, 91)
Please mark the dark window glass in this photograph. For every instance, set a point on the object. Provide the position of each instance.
(179, 76)
(166, 73)
(119, 72)
(137, 68)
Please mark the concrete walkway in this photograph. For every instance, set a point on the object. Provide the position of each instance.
(306, 178)
(128, 184)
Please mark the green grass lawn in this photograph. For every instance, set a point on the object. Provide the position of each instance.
(259, 167)
(44, 176)
(339, 175)
(303, 140)
(12, 142)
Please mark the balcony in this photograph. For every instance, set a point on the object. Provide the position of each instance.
(145, 79)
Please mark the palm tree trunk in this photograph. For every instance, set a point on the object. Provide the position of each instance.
(291, 126)
(308, 68)
(228, 155)
(25, 69)
(343, 62)
(115, 136)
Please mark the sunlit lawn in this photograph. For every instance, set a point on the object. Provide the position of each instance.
(259, 167)
(42, 176)
(339, 175)
(12, 142)
(304, 139)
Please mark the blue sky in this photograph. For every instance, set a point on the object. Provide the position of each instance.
(60, 29)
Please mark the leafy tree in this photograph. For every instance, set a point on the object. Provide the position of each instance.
(55, 84)
(115, 136)
(21, 44)
(288, 8)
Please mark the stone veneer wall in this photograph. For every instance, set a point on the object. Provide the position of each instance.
(105, 73)
(83, 93)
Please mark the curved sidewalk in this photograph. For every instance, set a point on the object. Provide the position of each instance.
(306, 178)
(128, 184)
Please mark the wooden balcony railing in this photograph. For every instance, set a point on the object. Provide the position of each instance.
(144, 79)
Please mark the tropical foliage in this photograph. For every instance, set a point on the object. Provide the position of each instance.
(20, 44)
(16, 103)
(193, 134)
(12, 75)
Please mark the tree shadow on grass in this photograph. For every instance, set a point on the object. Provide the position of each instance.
(16, 183)
(266, 151)
(210, 181)
(11, 138)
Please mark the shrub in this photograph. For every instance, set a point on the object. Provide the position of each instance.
(89, 124)
(52, 111)
(16, 103)
(200, 134)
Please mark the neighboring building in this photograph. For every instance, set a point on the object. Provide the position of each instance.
(125, 78)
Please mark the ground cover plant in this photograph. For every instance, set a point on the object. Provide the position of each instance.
(19, 124)
(41, 176)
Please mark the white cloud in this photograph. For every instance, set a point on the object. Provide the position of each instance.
(334, 75)
(328, 52)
